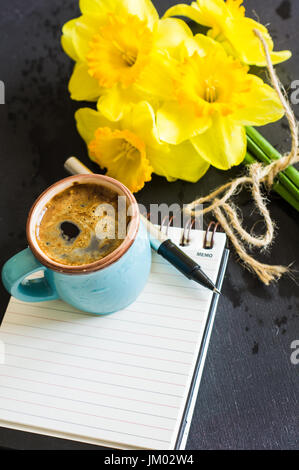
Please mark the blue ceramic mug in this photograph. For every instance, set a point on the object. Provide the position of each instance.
(102, 287)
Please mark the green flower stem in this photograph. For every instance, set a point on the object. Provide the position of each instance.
(249, 159)
(272, 153)
(278, 187)
(283, 192)
(255, 150)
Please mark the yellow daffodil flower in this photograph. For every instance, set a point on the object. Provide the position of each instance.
(229, 25)
(113, 43)
(208, 97)
(131, 150)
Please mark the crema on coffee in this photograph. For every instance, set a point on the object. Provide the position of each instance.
(80, 225)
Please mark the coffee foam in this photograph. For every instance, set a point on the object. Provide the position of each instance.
(90, 213)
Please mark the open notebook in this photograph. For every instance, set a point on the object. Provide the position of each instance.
(127, 380)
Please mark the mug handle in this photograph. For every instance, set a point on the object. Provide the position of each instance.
(14, 274)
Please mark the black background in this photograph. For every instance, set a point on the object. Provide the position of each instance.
(249, 393)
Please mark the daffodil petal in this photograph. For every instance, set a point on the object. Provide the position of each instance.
(177, 123)
(144, 9)
(240, 34)
(97, 6)
(179, 162)
(207, 45)
(281, 56)
(84, 29)
(245, 43)
(170, 34)
(248, 47)
(67, 39)
(82, 86)
(202, 12)
(261, 106)
(116, 102)
(201, 44)
(223, 145)
(157, 79)
(88, 121)
(142, 121)
(231, 27)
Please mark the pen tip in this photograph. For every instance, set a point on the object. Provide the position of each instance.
(216, 291)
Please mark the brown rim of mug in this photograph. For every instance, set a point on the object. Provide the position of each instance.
(97, 265)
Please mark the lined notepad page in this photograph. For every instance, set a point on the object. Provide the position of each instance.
(120, 380)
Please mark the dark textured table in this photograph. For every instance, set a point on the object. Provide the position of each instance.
(249, 393)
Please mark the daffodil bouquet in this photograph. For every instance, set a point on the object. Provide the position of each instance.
(168, 101)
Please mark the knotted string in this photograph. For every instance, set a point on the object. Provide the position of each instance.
(258, 176)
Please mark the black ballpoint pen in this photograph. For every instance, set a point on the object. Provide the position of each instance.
(174, 255)
(159, 241)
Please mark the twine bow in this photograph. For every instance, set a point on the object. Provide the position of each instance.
(258, 176)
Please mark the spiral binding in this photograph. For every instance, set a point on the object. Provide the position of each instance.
(208, 243)
(185, 240)
(168, 224)
(212, 228)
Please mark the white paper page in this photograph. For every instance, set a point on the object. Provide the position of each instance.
(119, 380)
